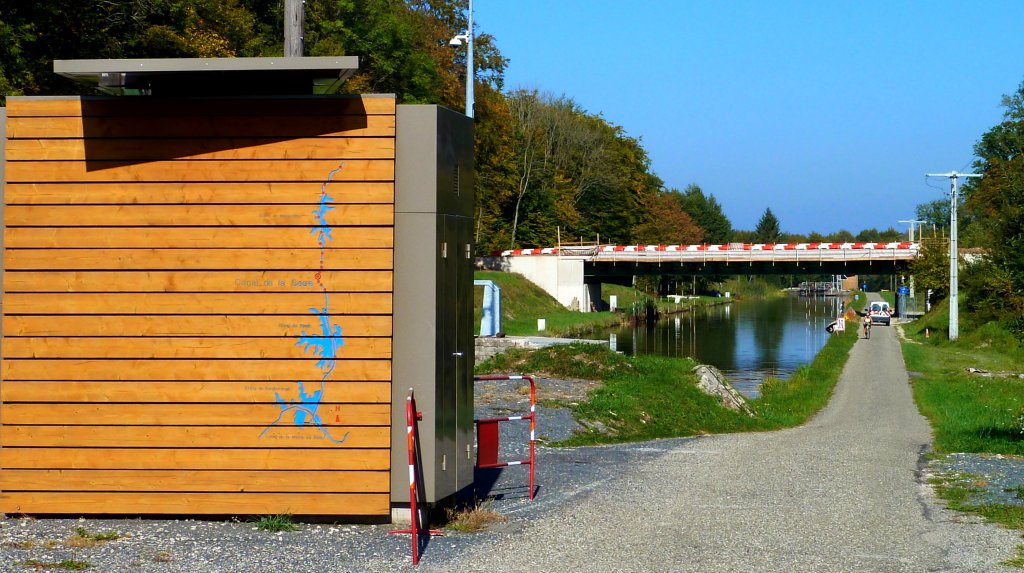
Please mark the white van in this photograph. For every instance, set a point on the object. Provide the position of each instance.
(880, 313)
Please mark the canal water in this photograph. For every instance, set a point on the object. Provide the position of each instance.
(747, 340)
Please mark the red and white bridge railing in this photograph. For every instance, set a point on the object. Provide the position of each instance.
(734, 252)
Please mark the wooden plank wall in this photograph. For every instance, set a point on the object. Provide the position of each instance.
(195, 321)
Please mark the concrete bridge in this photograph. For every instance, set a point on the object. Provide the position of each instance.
(574, 274)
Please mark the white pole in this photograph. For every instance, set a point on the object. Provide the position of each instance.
(469, 64)
(954, 295)
(954, 306)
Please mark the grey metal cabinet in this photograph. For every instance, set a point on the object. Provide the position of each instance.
(433, 334)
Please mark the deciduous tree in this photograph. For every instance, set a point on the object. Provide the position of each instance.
(667, 222)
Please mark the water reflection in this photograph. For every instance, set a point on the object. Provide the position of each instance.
(746, 340)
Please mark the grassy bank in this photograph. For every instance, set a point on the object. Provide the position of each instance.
(523, 302)
(969, 412)
(647, 397)
(751, 287)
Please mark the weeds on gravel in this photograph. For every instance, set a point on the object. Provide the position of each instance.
(1017, 560)
(65, 564)
(276, 523)
(958, 490)
(83, 538)
(472, 519)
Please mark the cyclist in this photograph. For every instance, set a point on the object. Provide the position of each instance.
(867, 323)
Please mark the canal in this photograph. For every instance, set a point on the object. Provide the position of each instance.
(747, 340)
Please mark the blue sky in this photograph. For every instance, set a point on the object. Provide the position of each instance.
(830, 113)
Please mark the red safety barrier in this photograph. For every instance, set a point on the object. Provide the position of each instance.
(487, 433)
(411, 417)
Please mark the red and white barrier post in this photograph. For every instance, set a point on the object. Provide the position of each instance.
(412, 437)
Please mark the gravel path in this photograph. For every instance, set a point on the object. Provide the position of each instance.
(844, 493)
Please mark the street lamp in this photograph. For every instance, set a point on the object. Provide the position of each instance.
(457, 41)
(954, 307)
(913, 222)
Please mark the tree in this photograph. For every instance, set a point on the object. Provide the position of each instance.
(931, 267)
(707, 213)
(873, 235)
(997, 200)
(935, 215)
(667, 223)
(767, 230)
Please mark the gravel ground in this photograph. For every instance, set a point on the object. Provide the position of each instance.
(563, 476)
(998, 479)
(829, 496)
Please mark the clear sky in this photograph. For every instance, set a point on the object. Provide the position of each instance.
(828, 112)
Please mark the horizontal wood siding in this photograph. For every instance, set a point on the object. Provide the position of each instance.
(197, 306)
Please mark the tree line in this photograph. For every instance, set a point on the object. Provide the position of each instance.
(546, 169)
(991, 219)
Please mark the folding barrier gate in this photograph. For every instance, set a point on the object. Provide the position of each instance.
(487, 432)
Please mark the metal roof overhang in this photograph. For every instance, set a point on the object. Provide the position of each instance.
(213, 76)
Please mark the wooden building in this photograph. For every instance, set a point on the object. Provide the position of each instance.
(199, 298)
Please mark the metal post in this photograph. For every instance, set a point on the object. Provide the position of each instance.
(954, 307)
(294, 24)
(954, 300)
(469, 64)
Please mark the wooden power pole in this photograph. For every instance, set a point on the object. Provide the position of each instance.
(294, 25)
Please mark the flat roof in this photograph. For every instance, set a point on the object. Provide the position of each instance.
(200, 76)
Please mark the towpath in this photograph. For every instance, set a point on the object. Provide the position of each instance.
(840, 494)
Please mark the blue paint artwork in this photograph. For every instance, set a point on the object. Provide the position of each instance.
(307, 404)
(321, 219)
(324, 345)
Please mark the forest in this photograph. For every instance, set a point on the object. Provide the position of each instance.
(547, 170)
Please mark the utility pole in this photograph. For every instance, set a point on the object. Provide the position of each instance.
(954, 309)
(294, 25)
(912, 222)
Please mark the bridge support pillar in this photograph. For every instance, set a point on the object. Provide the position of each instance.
(594, 296)
(560, 277)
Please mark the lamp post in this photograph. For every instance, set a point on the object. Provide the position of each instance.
(457, 41)
(954, 307)
(913, 222)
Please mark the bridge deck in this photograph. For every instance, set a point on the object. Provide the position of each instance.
(733, 253)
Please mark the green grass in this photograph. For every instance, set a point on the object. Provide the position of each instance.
(791, 402)
(649, 397)
(523, 302)
(276, 523)
(750, 287)
(968, 412)
(889, 297)
(959, 490)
